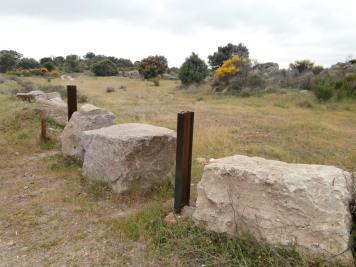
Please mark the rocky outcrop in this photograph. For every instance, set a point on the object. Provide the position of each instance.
(132, 74)
(89, 117)
(129, 156)
(266, 68)
(305, 206)
(30, 96)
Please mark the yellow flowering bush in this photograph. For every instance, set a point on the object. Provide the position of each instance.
(231, 67)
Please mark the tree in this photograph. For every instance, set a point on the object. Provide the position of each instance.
(104, 68)
(59, 61)
(226, 52)
(28, 63)
(193, 69)
(89, 55)
(72, 63)
(302, 65)
(9, 60)
(152, 66)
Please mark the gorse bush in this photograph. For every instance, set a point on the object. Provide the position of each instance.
(152, 66)
(105, 68)
(235, 66)
(226, 52)
(301, 65)
(193, 70)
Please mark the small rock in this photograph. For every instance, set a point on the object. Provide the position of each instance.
(17, 153)
(25, 187)
(170, 219)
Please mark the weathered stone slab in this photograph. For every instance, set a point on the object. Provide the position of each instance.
(88, 117)
(54, 109)
(306, 206)
(129, 156)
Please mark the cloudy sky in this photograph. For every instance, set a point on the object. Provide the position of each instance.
(273, 30)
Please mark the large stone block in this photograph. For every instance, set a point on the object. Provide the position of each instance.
(129, 155)
(53, 108)
(306, 206)
(88, 117)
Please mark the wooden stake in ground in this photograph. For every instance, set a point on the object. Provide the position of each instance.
(185, 125)
(44, 136)
(71, 100)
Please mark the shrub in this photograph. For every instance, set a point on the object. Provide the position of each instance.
(301, 65)
(110, 89)
(82, 98)
(235, 66)
(317, 69)
(156, 80)
(224, 53)
(104, 68)
(323, 89)
(152, 66)
(193, 70)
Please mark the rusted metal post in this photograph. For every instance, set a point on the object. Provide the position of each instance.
(185, 125)
(71, 100)
(43, 129)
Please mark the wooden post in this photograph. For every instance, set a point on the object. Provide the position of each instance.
(71, 100)
(44, 129)
(185, 125)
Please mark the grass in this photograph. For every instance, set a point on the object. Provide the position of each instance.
(285, 125)
(189, 245)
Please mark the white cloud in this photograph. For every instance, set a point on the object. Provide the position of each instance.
(274, 30)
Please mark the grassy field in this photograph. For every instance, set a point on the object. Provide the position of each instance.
(288, 125)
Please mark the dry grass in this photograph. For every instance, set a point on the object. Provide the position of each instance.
(59, 212)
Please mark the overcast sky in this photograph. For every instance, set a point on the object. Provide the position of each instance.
(273, 30)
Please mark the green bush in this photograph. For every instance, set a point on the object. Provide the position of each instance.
(302, 65)
(156, 80)
(317, 69)
(324, 89)
(104, 68)
(193, 70)
(152, 66)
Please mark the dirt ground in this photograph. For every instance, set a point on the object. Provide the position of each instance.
(48, 219)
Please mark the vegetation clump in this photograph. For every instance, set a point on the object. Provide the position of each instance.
(152, 66)
(224, 53)
(105, 68)
(193, 70)
(302, 65)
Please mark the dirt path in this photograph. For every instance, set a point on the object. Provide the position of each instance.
(47, 219)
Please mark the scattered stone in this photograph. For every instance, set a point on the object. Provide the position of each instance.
(17, 153)
(306, 206)
(30, 96)
(89, 117)
(129, 156)
(170, 219)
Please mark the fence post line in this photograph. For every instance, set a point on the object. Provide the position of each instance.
(71, 100)
(185, 125)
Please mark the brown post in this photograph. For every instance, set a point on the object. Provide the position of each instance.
(185, 124)
(43, 129)
(71, 100)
